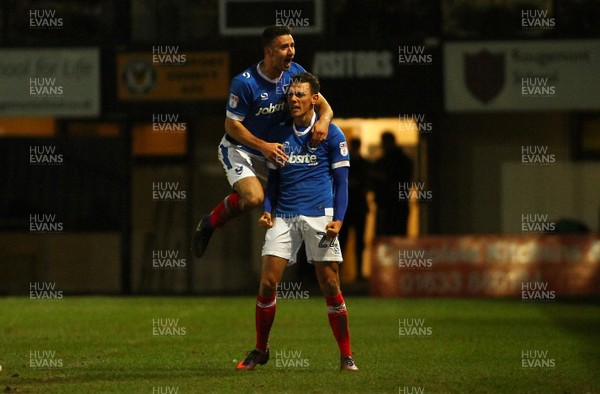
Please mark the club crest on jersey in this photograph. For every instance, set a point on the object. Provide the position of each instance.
(343, 148)
(310, 148)
(233, 100)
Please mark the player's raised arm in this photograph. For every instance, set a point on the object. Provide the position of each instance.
(321, 127)
(272, 151)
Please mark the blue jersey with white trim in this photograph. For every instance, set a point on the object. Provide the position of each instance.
(259, 102)
(306, 181)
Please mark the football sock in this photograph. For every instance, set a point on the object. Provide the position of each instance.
(225, 210)
(338, 320)
(265, 314)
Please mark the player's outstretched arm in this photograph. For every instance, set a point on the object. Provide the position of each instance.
(321, 126)
(272, 151)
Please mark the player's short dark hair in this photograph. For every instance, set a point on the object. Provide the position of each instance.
(315, 86)
(271, 32)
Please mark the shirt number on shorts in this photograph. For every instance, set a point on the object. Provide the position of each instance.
(324, 242)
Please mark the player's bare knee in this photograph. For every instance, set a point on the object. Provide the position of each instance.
(268, 286)
(252, 201)
(266, 293)
(330, 286)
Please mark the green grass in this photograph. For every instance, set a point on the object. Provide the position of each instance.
(106, 346)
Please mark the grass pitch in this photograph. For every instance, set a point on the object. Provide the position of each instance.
(109, 345)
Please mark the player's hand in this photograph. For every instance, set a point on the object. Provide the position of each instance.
(319, 132)
(333, 229)
(275, 153)
(265, 220)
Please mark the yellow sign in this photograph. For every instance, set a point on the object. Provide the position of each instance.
(167, 73)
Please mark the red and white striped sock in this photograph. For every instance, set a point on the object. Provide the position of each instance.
(338, 320)
(265, 314)
(225, 210)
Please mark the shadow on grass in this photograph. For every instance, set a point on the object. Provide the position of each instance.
(83, 375)
(579, 317)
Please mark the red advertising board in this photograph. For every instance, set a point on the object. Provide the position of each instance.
(529, 267)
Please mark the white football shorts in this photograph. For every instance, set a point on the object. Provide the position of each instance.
(239, 164)
(285, 238)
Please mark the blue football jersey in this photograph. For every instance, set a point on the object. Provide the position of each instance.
(306, 181)
(259, 102)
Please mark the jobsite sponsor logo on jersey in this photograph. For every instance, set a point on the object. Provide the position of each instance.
(272, 108)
